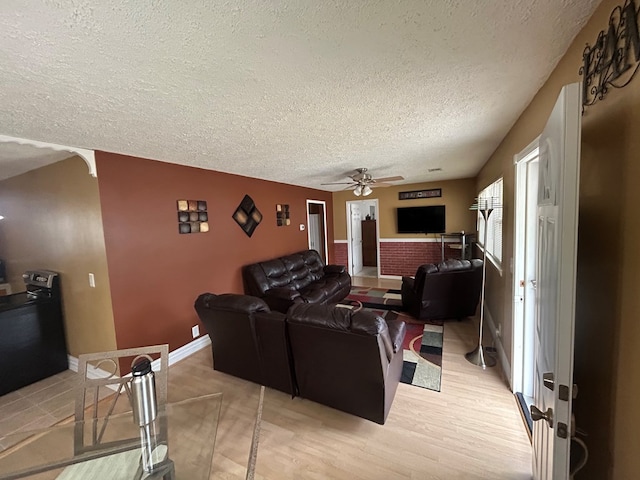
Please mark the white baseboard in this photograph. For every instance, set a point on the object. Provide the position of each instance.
(502, 356)
(174, 357)
(184, 351)
(391, 277)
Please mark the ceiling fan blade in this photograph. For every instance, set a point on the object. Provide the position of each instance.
(376, 185)
(388, 179)
(339, 183)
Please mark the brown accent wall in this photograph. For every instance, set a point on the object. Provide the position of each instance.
(157, 273)
(53, 221)
(607, 349)
(457, 195)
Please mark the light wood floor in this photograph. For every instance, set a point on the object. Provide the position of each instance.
(469, 430)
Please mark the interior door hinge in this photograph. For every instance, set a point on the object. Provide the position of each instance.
(563, 393)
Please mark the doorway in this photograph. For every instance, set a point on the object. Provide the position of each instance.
(363, 234)
(524, 269)
(317, 227)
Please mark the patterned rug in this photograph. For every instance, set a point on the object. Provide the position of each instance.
(422, 355)
(378, 298)
(422, 346)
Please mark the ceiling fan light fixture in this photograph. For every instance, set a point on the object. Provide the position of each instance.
(357, 191)
(366, 190)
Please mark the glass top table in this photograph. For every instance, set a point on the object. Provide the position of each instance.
(185, 452)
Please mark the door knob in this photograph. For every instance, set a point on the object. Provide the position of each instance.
(537, 414)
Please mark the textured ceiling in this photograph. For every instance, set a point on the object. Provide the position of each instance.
(300, 92)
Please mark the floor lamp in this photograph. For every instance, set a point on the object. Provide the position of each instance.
(485, 207)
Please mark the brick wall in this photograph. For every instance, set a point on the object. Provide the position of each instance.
(340, 253)
(403, 258)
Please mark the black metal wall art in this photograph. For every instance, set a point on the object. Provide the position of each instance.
(614, 58)
(431, 193)
(247, 215)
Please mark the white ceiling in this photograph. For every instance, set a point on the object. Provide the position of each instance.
(300, 92)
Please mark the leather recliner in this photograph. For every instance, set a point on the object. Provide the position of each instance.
(351, 361)
(348, 361)
(450, 289)
(248, 340)
(297, 278)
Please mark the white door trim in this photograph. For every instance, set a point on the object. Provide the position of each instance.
(348, 219)
(529, 153)
(324, 224)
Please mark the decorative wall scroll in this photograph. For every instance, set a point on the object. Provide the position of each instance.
(614, 58)
(247, 215)
(432, 193)
(192, 216)
(282, 215)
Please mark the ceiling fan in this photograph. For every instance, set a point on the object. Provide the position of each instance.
(363, 182)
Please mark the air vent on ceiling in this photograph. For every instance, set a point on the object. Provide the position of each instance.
(437, 169)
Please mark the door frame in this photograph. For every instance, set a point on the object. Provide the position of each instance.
(324, 226)
(348, 218)
(521, 161)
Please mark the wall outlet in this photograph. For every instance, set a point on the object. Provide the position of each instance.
(195, 331)
(92, 280)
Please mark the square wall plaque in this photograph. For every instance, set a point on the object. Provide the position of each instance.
(192, 216)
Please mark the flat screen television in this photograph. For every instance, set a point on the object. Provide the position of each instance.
(426, 219)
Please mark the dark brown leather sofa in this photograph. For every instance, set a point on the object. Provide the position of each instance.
(297, 278)
(450, 289)
(348, 361)
(330, 355)
(248, 340)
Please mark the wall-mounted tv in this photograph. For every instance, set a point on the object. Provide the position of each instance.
(426, 219)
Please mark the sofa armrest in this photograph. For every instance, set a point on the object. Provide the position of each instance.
(409, 281)
(397, 331)
(334, 269)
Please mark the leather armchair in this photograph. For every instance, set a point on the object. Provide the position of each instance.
(248, 340)
(450, 289)
(348, 361)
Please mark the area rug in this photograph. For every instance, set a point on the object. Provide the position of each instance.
(422, 356)
(379, 298)
(422, 346)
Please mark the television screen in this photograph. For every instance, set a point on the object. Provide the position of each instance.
(427, 219)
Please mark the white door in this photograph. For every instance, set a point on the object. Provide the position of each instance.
(356, 237)
(555, 286)
(314, 232)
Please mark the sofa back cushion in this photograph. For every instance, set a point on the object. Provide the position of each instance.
(247, 339)
(341, 361)
(421, 273)
(295, 271)
(452, 291)
(342, 319)
(454, 265)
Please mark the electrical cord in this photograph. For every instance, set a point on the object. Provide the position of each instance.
(583, 462)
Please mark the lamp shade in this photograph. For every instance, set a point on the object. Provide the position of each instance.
(357, 191)
(366, 190)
